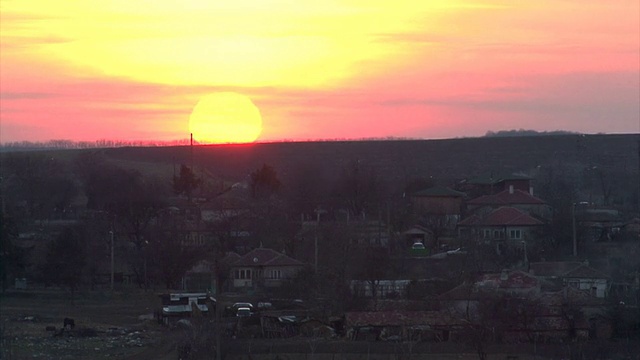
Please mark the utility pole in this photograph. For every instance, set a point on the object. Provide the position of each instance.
(112, 259)
(318, 211)
(573, 228)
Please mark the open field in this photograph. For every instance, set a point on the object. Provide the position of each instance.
(398, 160)
(108, 326)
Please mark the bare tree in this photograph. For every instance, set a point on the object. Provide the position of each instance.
(186, 182)
(65, 259)
(359, 189)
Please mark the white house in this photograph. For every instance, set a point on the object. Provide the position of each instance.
(577, 275)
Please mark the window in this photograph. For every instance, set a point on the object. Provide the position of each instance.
(486, 234)
(498, 234)
(275, 274)
(243, 274)
(515, 234)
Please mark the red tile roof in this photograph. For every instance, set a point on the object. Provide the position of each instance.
(487, 284)
(501, 217)
(517, 197)
(266, 257)
(514, 280)
(569, 295)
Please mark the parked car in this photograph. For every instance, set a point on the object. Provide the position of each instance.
(239, 305)
(243, 312)
(233, 309)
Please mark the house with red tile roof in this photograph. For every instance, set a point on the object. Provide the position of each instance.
(503, 226)
(488, 184)
(464, 300)
(262, 267)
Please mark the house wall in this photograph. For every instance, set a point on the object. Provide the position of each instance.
(438, 205)
(514, 233)
(270, 276)
(242, 277)
(384, 288)
(596, 287)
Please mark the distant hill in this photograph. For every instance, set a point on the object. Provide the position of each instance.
(398, 162)
(590, 165)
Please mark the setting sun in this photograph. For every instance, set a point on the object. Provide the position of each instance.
(225, 117)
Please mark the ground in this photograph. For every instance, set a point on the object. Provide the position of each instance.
(108, 325)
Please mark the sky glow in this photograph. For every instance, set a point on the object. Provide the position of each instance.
(318, 69)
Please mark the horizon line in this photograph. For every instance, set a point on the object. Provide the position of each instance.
(104, 143)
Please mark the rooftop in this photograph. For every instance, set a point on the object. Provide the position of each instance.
(507, 197)
(266, 257)
(502, 216)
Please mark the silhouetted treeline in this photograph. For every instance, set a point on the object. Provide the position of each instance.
(70, 144)
(523, 132)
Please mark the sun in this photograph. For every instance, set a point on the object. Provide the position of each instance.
(225, 117)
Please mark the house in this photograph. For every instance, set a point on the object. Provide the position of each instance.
(505, 226)
(200, 277)
(439, 209)
(489, 184)
(601, 224)
(576, 275)
(525, 311)
(570, 312)
(512, 197)
(203, 277)
(262, 267)
(438, 200)
(233, 202)
(465, 299)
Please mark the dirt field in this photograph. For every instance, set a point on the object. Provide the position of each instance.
(107, 326)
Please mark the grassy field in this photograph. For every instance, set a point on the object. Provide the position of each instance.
(108, 326)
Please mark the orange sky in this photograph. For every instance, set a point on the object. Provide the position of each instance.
(319, 69)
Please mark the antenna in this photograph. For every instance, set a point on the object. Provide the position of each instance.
(191, 149)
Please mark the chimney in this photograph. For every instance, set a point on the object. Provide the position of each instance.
(531, 190)
(510, 189)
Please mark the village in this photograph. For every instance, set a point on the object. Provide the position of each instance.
(499, 258)
(405, 285)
